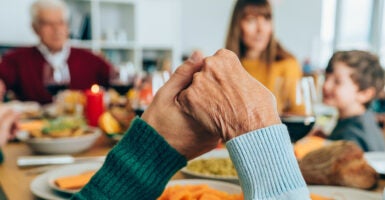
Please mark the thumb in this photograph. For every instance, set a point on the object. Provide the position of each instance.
(183, 76)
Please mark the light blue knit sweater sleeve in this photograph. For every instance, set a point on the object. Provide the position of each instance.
(266, 165)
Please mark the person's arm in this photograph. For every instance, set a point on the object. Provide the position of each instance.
(226, 100)
(155, 146)
(265, 171)
(138, 167)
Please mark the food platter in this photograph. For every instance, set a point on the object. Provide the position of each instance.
(214, 154)
(42, 187)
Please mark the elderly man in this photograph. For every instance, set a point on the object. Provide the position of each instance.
(28, 72)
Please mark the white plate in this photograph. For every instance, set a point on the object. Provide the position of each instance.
(376, 160)
(40, 186)
(343, 193)
(69, 171)
(218, 185)
(216, 153)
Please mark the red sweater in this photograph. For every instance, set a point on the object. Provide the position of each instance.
(22, 72)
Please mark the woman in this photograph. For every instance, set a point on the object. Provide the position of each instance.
(251, 37)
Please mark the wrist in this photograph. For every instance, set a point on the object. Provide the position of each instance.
(259, 118)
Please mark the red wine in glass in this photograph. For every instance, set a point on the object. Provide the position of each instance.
(298, 126)
(121, 88)
(55, 88)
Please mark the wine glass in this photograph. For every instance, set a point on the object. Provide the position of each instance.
(122, 80)
(56, 79)
(300, 123)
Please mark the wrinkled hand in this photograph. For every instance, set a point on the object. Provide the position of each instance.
(7, 123)
(226, 99)
(180, 130)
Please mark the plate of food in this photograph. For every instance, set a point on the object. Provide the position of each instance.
(206, 189)
(376, 160)
(43, 187)
(215, 164)
(68, 180)
(62, 135)
(343, 193)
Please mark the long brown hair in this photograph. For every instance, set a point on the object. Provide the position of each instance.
(274, 50)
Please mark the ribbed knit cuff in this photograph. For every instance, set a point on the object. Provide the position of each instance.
(138, 167)
(266, 165)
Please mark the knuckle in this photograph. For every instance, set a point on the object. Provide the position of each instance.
(187, 97)
(209, 62)
(226, 52)
(222, 51)
(197, 78)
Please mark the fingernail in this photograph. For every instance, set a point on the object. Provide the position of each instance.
(194, 57)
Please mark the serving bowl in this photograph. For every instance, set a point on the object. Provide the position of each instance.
(62, 145)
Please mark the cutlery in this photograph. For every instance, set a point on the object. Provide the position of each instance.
(24, 161)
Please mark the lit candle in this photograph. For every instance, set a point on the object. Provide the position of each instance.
(94, 107)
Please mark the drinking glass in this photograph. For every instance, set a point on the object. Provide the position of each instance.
(300, 125)
(56, 80)
(122, 80)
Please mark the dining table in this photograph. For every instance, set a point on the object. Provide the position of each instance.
(15, 181)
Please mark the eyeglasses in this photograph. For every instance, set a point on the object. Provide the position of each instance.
(48, 23)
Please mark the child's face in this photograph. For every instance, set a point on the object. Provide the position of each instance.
(339, 90)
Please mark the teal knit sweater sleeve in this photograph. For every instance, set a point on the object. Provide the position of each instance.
(138, 167)
(266, 165)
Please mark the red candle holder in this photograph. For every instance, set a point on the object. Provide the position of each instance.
(94, 106)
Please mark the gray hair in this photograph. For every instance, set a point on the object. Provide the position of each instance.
(48, 4)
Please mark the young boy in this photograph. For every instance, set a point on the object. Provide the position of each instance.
(353, 79)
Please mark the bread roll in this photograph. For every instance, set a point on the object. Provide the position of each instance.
(340, 163)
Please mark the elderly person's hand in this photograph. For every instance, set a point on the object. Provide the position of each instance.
(8, 119)
(180, 130)
(226, 99)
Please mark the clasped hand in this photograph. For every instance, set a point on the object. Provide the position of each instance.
(207, 100)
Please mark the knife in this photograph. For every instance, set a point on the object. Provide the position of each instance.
(24, 161)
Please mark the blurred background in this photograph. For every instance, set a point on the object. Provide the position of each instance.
(151, 33)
